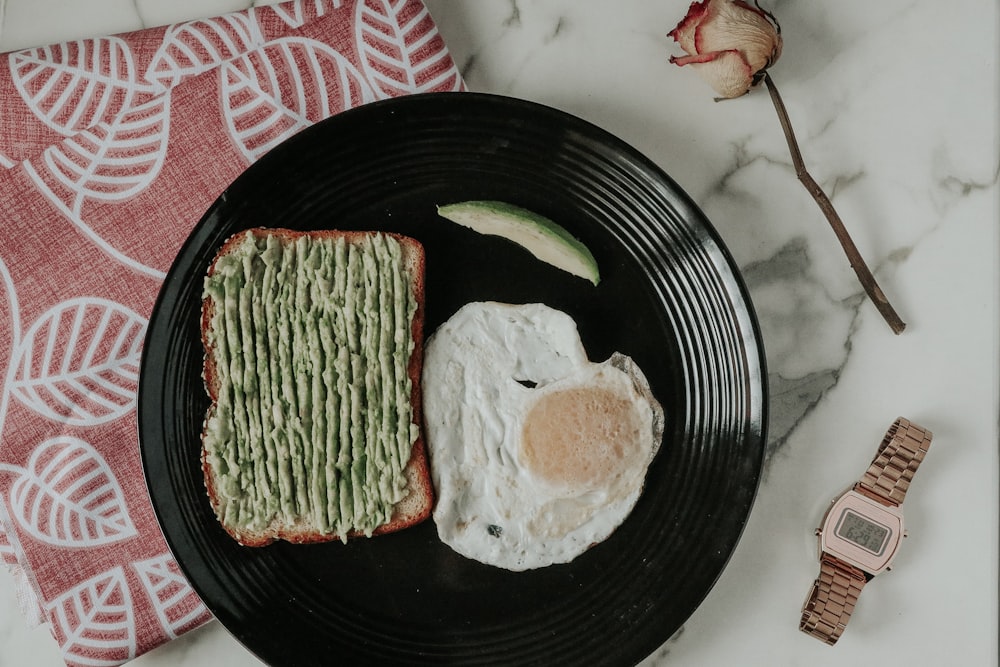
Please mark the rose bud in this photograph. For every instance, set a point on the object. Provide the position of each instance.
(729, 43)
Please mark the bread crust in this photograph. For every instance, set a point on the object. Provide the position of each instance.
(419, 501)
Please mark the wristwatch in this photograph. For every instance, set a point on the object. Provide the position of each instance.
(862, 530)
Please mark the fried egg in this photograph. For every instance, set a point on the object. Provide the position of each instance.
(537, 453)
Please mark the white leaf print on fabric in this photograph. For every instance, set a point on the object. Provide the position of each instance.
(194, 47)
(72, 86)
(289, 84)
(110, 161)
(177, 605)
(13, 310)
(297, 14)
(79, 362)
(69, 496)
(5, 161)
(94, 622)
(401, 49)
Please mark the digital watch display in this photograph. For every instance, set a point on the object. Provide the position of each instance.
(863, 532)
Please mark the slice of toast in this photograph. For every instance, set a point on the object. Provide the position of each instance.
(295, 519)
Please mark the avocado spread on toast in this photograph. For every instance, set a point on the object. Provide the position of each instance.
(310, 341)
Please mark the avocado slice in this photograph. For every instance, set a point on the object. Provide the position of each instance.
(542, 237)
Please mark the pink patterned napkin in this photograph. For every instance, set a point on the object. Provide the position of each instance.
(110, 151)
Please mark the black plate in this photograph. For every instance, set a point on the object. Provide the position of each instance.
(670, 297)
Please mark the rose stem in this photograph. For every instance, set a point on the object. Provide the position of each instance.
(857, 262)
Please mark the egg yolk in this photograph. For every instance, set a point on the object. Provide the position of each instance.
(581, 437)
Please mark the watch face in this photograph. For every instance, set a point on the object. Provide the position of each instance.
(867, 534)
(862, 532)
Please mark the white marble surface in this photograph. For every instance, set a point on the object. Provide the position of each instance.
(895, 104)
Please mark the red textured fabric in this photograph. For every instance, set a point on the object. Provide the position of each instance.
(110, 151)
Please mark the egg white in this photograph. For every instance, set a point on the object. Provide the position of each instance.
(485, 369)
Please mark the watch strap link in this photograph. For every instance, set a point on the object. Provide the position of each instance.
(832, 599)
(889, 475)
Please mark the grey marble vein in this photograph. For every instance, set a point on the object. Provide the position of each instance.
(963, 186)
(792, 305)
(514, 19)
(137, 7)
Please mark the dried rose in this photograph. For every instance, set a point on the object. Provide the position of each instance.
(729, 43)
